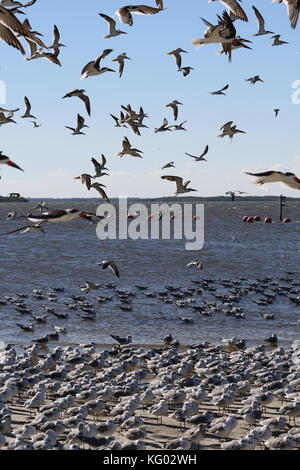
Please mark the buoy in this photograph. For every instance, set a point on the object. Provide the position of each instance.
(250, 220)
(245, 218)
(268, 220)
(196, 217)
(286, 220)
(172, 216)
(257, 218)
(131, 216)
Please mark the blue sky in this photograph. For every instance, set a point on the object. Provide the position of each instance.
(51, 157)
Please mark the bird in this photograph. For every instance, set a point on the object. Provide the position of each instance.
(201, 157)
(254, 79)
(36, 53)
(235, 8)
(169, 165)
(99, 188)
(181, 187)
(178, 127)
(58, 215)
(288, 178)
(174, 105)
(197, 263)
(35, 125)
(220, 92)
(120, 59)
(56, 37)
(276, 111)
(27, 229)
(261, 23)
(88, 286)
(277, 41)
(80, 125)
(176, 53)
(128, 150)
(122, 339)
(164, 127)
(293, 8)
(99, 167)
(93, 68)
(85, 179)
(4, 159)
(80, 94)
(113, 32)
(185, 70)
(9, 27)
(28, 109)
(125, 13)
(229, 130)
(111, 265)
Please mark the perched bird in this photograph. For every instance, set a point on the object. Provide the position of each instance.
(181, 187)
(111, 265)
(169, 165)
(201, 157)
(254, 79)
(220, 92)
(80, 94)
(261, 23)
(277, 41)
(93, 68)
(288, 178)
(174, 105)
(28, 109)
(113, 32)
(128, 150)
(125, 13)
(80, 125)
(120, 59)
(293, 8)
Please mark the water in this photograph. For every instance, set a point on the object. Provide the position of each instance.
(68, 253)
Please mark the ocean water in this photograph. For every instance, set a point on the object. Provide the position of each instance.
(67, 255)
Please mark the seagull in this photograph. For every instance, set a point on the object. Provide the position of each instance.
(58, 215)
(289, 179)
(80, 94)
(124, 13)
(99, 167)
(99, 188)
(201, 157)
(229, 130)
(163, 127)
(80, 125)
(93, 68)
(293, 8)
(120, 59)
(4, 159)
(128, 150)
(109, 264)
(113, 32)
(28, 109)
(197, 263)
(181, 187)
(174, 105)
(169, 165)
(220, 92)
(261, 24)
(253, 80)
(27, 229)
(122, 339)
(234, 7)
(176, 53)
(277, 41)
(276, 111)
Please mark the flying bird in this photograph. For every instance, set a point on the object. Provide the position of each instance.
(253, 80)
(197, 263)
(169, 165)
(28, 109)
(81, 95)
(99, 188)
(58, 215)
(288, 178)
(164, 127)
(120, 59)
(201, 157)
(293, 8)
(4, 159)
(178, 127)
(261, 23)
(181, 187)
(113, 32)
(220, 92)
(185, 70)
(276, 111)
(176, 53)
(235, 8)
(27, 229)
(80, 125)
(229, 130)
(111, 265)
(125, 13)
(174, 105)
(56, 37)
(93, 68)
(99, 167)
(277, 41)
(128, 149)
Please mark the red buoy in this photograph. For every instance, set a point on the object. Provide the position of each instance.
(196, 217)
(257, 218)
(245, 218)
(286, 220)
(250, 220)
(268, 220)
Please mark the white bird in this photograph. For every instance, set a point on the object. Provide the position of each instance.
(181, 187)
(288, 178)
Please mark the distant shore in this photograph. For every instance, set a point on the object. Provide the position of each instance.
(13, 199)
(163, 198)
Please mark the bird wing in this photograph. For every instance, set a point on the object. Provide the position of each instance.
(193, 156)
(144, 10)
(28, 105)
(205, 151)
(111, 22)
(7, 36)
(11, 21)
(87, 103)
(124, 16)
(114, 269)
(226, 126)
(80, 122)
(224, 88)
(97, 165)
(260, 19)
(126, 144)
(87, 66)
(266, 173)
(14, 231)
(234, 6)
(100, 191)
(293, 7)
(178, 180)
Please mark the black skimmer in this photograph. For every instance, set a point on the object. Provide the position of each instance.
(178, 127)
(169, 165)
(99, 167)
(85, 179)
(28, 109)
(185, 70)
(288, 178)
(80, 94)
(293, 8)
(113, 32)
(128, 150)
(58, 215)
(93, 68)
(120, 59)
(4, 159)
(164, 127)
(125, 13)
(277, 41)
(99, 187)
(122, 339)
(56, 37)
(110, 264)
(174, 105)
(261, 24)
(80, 125)
(201, 157)
(27, 229)
(197, 263)
(181, 187)
(235, 8)
(176, 53)
(254, 79)
(229, 130)
(220, 92)
(276, 111)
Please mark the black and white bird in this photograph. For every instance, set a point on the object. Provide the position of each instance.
(113, 32)
(174, 105)
(80, 125)
(120, 59)
(254, 79)
(99, 167)
(220, 92)
(197, 263)
(293, 9)
(201, 157)
(81, 95)
(4, 159)
(277, 41)
(288, 178)
(261, 24)
(28, 109)
(235, 8)
(111, 265)
(276, 111)
(122, 339)
(169, 165)
(125, 13)
(93, 68)
(181, 187)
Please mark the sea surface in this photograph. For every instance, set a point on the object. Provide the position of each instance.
(67, 255)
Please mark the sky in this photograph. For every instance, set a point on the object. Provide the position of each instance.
(51, 157)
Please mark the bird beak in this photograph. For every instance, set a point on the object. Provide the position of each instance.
(84, 215)
(14, 165)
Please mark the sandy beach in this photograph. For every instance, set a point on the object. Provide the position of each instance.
(210, 398)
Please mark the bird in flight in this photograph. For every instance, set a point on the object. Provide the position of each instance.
(253, 80)
(125, 13)
(174, 105)
(181, 187)
(28, 109)
(164, 127)
(99, 167)
(293, 9)
(93, 68)
(261, 23)
(288, 178)
(201, 157)
(277, 41)
(169, 165)
(81, 95)
(111, 265)
(220, 92)
(276, 111)
(27, 229)
(113, 32)
(197, 263)
(176, 53)
(129, 150)
(4, 159)
(235, 8)
(80, 125)
(120, 59)
(229, 130)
